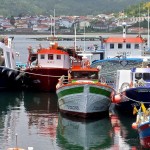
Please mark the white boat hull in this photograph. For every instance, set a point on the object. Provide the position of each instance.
(84, 98)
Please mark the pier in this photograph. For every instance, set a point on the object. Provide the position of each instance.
(68, 38)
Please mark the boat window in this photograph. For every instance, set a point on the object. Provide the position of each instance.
(111, 46)
(128, 45)
(42, 56)
(136, 46)
(119, 45)
(138, 76)
(85, 75)
(50, 57)
(76, 74)
(58, 56)
(146, 76)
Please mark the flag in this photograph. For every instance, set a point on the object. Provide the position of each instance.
(135, 110)
(143, 107)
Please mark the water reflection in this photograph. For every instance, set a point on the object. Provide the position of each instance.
(9, 103)
(42, 112)
(83, 134)
(124, 137)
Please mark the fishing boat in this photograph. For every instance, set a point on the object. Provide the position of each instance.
(9, 73)
(45, 66)
(132, 87)
(142, 125)
(120, 52)
(82, 94)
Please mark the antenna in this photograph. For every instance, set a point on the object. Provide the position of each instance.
(75, 36)
(139, 21)
(124, 29)
(54, 22)
(84, 37)
(148, 29)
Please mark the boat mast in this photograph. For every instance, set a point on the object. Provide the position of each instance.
(124, 30)
(84, 37)
(54, 22)
(75, 37)
(148, 29)
(139, 21)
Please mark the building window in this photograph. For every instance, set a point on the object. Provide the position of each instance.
(136, 46)
(119, 45)
(42, 56)
(50, 57)
(111, 46)
(58, 56)
(128, 45)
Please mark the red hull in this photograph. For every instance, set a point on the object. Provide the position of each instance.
(44, 79)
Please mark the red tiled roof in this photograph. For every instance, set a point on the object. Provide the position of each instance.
(127, 40)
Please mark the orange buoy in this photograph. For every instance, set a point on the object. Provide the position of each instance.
(116, 98)
(134, 125)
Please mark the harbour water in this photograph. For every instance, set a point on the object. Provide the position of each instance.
(36, 120)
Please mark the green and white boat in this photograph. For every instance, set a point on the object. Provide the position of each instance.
(83, 95)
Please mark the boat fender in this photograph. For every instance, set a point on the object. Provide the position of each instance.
(60, 81)
(4, 70)
(19, 76)
(134, 125)
(131, 84)
(9, 73)
(116, 98)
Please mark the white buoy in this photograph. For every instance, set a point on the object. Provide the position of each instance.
(30, 148)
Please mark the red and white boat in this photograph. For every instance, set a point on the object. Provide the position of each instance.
(45, 66)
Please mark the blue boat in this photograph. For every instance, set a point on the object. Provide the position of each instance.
(132, 88)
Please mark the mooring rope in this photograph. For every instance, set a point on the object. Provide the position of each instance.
(37, 74)
(129, 99)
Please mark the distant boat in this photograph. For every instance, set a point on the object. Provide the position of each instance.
(83, 95)
(132, 87)
(9, 74)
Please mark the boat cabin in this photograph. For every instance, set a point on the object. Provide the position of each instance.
(50, 57)
(82, 71)
(140, 77)
(132, 78)
(131, 47)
